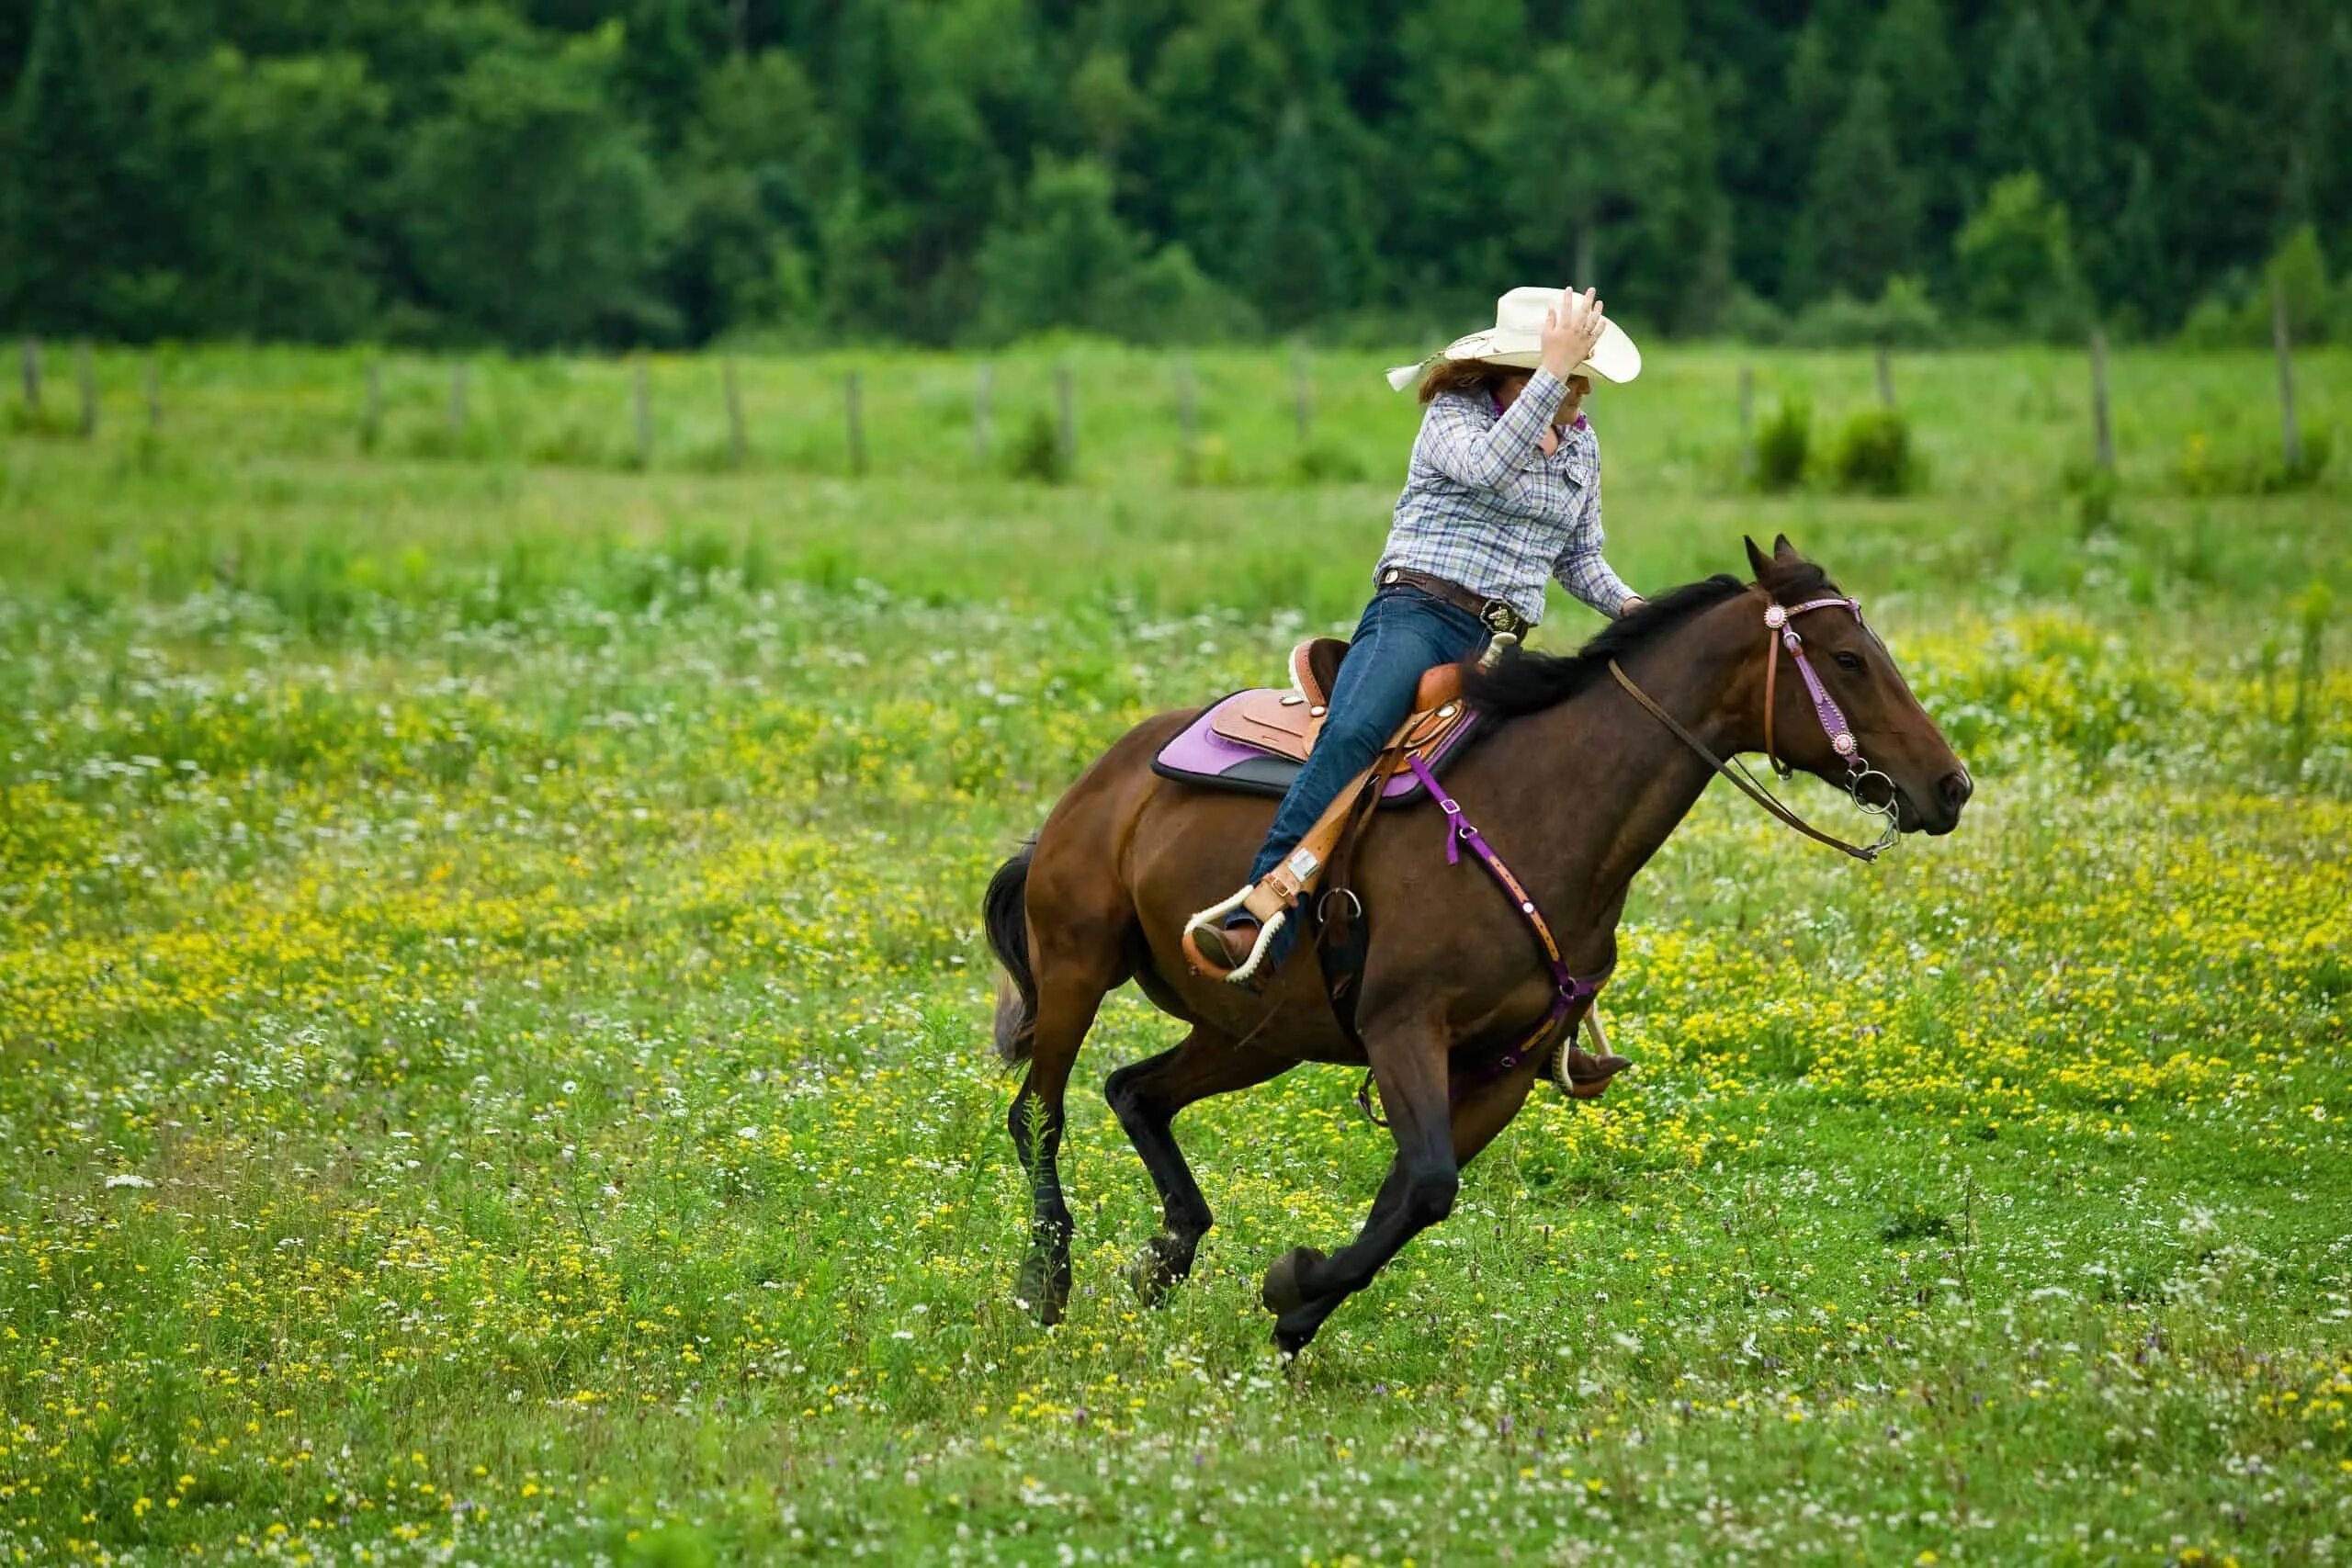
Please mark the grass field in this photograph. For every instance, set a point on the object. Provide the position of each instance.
(492, 1016)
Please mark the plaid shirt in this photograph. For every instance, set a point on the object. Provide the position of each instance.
(1485, 508)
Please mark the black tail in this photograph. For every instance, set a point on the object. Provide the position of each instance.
(1005, 911)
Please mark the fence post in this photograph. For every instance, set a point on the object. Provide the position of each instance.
(983, 388)
(1885, 379)
(152, 382)
(738, 442)
(1303, 389)
(371, 410)
(854, 390)
(457, 396)
(1188, 447)
(2290, 434)
(1067, 406)
(2102, 430)
(32, 374)
(641, 408)
(1747, 420)
(86, 377)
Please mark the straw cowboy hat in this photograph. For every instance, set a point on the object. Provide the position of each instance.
(1517, 339)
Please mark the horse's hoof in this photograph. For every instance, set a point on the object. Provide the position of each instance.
(1285, 1292)
(1291, 1341)
(1043, 1287)
(1155, 1271)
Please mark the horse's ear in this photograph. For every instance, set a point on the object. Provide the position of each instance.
(1785, 552)
(1759, 564)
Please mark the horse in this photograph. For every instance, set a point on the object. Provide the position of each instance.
(1574, 782)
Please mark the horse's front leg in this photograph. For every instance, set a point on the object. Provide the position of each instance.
(1434, 1139)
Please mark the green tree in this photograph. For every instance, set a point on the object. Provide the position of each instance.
(2124, 263)
(1305, 248)
(1557, 138)
(1108, 104)
(1444, 248)
(2038, 108)
(291, 152)
(2016, 260)
(530, 206)
(1911, 51)
(930, 176)
(759, 165)
(61, 233)
(1862, 209)
(1062, 258)
(1217, 87)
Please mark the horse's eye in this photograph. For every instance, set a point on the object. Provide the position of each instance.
(1848, 660)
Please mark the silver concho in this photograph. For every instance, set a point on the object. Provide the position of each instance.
(1775, 616)
(1844, 742)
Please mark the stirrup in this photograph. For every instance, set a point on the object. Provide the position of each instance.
(1213, 916)
(1601, 1068)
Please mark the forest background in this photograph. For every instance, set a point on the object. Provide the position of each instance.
(587, 174)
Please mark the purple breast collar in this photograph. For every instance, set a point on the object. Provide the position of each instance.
(1569, 992)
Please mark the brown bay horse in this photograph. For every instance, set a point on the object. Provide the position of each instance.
(1577, 790)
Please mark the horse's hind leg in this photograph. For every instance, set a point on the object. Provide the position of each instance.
(1073, 978)
(1146, 1097)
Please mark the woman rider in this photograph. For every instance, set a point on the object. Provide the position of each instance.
(1503, 491)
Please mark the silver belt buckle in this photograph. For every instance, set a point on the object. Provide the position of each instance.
(1497, 616)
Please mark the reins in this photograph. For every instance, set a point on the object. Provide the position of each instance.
(1780, 634)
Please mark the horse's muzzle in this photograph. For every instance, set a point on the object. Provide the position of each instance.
(1942, 812)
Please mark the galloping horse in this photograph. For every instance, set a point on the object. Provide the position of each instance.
(1579, 789)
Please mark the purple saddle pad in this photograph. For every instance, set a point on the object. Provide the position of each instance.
(1200, 755)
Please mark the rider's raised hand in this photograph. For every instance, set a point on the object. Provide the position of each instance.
(1571, 329)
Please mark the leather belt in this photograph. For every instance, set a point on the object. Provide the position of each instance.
(1495, 614)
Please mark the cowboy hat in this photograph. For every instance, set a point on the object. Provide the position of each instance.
(1516, 340)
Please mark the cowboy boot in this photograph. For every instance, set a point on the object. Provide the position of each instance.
(1589, 1074)
(1227, 946)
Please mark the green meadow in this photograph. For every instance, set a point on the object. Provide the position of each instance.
(493, 1014)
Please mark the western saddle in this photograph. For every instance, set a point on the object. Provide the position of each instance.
(1286, 723)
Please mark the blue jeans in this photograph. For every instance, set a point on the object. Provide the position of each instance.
(1404, 632)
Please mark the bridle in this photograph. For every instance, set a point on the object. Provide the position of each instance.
(1780, 634)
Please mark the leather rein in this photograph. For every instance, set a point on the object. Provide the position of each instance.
(1780, 634)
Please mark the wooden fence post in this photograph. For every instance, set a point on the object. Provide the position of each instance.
(1747, 420)
(152, 381)
(854, 390)
(1188, 454)
(457, 396)
(641, 409)
(371, 410)
(86, 377)
(32, 374)
(983, 388)
(2290, 434)
(1067, 406)
(2102, 430)
(739, 443)
(1885, 379)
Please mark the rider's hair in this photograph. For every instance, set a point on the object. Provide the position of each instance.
(1465, 376)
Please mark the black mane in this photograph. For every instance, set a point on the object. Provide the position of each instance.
(1527, 682)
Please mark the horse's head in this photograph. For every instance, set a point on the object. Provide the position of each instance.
(1891, 732)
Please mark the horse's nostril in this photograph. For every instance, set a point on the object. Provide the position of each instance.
(1953, 789)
